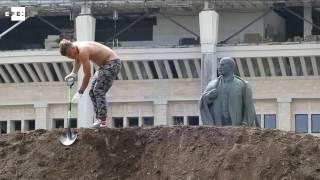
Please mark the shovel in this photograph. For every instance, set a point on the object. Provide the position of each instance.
(69, 138)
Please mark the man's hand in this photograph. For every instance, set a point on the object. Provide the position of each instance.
(71, 75)
(76, 97)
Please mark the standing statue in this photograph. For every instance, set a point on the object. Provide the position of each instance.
(227, 101)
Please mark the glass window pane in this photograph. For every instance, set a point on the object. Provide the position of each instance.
(315, 123)
(301, 123)
(17, 125)
(177, 120)
(3, 127)
(30, 125)
(58, 123)
(148, 121)
(118, 122)
(193, 120)
(133, 121)
(270, 121)
(73, 123)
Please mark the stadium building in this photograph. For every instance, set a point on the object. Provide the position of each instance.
(169, 50)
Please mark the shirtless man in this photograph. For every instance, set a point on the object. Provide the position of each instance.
(109, 66)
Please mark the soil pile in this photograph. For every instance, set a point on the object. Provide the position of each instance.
(161, 153)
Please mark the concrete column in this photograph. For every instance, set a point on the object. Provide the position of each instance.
(41, 120)
(310, 112)
(160, 112)
(12, 128)
(185, 120)
(209, 21)
(140, 123)
(85, 31)
(284, 114)
(309, 122)
(262, 121)
(65, 122)
(23, 125)
(125, 122)
(308, 16)
(9, 129)
(200, 121)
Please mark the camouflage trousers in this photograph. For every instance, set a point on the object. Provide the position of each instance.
(101, 83)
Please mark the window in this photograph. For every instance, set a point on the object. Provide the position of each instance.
(148, 121)
(30, 125)
(193, 120)
(270, 121)
(32, 33)
(15, 125)
(73, 123)
(58, 123)
(177, 120)
(3, 127)
(118, 122)
(133, 121)
(315, 123)
(141, 31)
(301, 123)
(259, 119)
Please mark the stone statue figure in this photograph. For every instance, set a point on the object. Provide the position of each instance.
(227, 101)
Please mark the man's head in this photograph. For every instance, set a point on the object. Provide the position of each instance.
(226, 66)
(68, 49)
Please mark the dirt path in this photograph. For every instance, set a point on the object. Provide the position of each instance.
(161, 153)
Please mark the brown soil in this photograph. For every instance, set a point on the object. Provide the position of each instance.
(161, 153)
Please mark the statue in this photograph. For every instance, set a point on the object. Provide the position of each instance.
(228, 99)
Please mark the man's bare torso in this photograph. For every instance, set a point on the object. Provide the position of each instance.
(98, 53)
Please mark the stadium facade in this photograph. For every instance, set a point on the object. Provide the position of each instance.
(170, 50)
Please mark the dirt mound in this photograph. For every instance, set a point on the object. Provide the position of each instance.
(168, 153)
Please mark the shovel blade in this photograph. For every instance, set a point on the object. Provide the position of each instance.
(68, 139)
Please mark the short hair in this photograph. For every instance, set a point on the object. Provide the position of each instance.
(64, 45)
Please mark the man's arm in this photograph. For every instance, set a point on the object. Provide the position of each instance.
(84, 60)
(76, 66)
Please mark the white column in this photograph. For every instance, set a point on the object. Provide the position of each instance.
(140, 121)
(125, 122)
(308, 16)
(160, 112)
(209, 21)
(65, 122)
(41, 113)
(12, 128)
(309, 121)
(262, 120)
(85, 31)
(284, 113)
(23, 125)
(9, 129)
(185, 120)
